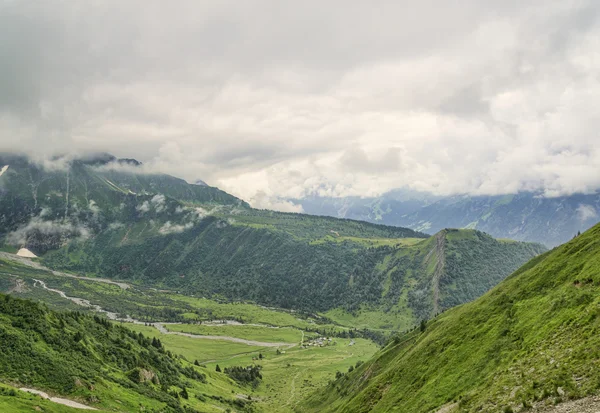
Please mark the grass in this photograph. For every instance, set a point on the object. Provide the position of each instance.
(535, 338)
(255, 333)
(199, 349)
(288, 377)
(372, 318)
(143, 303)
(249, 313)
(368, 242)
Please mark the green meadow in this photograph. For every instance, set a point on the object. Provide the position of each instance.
(289, 374)
(246, 332)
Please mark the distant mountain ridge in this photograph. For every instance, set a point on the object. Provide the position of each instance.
(523, 217)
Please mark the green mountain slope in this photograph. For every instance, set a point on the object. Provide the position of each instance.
(448, 269)
(43, 206)
(93, 217)
(274, 267)
(95, 362)
(533, 339)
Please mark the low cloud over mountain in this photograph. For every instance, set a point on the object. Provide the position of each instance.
(272, 101)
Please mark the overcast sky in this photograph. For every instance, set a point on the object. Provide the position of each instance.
(276, 99)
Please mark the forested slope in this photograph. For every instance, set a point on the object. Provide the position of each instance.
(91, 360)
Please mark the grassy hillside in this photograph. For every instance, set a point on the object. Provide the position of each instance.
(420, 280)
(533, 339)
(93, 361)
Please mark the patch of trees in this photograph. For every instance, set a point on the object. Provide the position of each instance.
(249, 375)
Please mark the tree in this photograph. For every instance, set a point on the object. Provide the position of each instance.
(423, 325)
(184, 393)
(218, 369)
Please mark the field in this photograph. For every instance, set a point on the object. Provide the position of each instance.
(371, 318)
(288, 374)
(246, 332)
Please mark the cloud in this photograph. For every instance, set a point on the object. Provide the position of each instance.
(143, 207)
(261, 200)
(586, 212)
(169, 228)
(115, 225)
(94, 208)
(345, 98)
(158, 201)
(199, 212)
(62, 229)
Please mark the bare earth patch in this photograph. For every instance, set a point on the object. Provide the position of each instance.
(586, 405)
(65, 402)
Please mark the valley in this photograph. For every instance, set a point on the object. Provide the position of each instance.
(299, 207)
(281, 342)
(230, 308)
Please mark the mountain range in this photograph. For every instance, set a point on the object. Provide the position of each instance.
(94, 216)
(524, 216)
(478, 324)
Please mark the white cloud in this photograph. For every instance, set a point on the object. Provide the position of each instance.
(347, 98)
(199, 212)
(94, 208)
(37, 225)
(158, 201)
(169, 228)
(115, 225)
(143, 207)
(585, 212)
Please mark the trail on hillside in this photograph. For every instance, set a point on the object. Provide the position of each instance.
(293, 389)
(59, 400)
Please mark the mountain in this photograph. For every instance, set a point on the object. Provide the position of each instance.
(93, 362)
(66, 198)
(530, 341)
(524, 216)
(409, 279)
(94, 217)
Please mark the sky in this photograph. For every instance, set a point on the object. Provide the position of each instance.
(271, 100)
